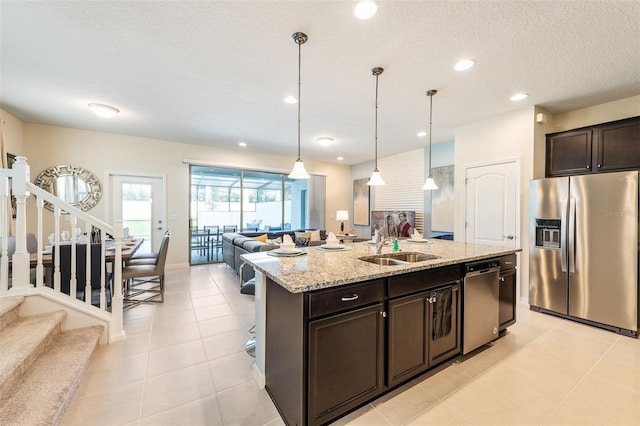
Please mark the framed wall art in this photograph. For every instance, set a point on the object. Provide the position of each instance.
(361, 202)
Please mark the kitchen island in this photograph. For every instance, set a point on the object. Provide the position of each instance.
(334, 331)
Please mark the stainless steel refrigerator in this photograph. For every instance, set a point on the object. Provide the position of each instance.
(584, 249)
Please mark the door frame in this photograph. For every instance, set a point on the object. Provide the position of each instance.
(108, 213)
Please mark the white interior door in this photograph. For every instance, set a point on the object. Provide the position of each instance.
(492, 204)
(139, 201)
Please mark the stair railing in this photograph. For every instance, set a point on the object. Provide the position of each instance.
(79, 226)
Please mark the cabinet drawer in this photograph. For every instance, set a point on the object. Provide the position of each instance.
(423, 280)
(345, 297)
(508, 262)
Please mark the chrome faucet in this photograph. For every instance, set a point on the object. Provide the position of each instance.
(380, 240)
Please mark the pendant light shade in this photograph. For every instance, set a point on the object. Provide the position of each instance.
(299, 171)
(376, 178)
(430, 184)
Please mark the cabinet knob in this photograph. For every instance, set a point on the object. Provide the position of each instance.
(502, 279)
(599, 165)
(383, 314)
(588, 166)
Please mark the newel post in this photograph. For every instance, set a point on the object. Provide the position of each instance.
(20, 259)
(117, 331)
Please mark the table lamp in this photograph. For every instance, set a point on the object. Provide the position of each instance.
(342, 215)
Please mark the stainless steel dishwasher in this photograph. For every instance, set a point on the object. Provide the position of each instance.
(481, 304)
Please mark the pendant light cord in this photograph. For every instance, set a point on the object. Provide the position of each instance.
(299, 84)
(430, 93)
(376, 125)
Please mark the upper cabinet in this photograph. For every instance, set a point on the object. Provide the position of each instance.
(607, 147)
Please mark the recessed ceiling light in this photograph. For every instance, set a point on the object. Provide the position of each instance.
(519, 96)
(421, 134)
(290, 100)
(325, 140)
(340, 158)
(104, 111)
(365, 9)
(464, 64)
(242, 144)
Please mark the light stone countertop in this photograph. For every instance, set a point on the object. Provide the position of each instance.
(319, 269)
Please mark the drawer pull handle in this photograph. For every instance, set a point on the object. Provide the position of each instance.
(349, 298)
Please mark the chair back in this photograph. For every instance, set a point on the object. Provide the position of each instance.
(162, 254)
(81, 266)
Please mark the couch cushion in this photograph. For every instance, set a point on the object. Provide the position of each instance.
(253, 246)
(314, 235)
(302, 238)
(262, 238)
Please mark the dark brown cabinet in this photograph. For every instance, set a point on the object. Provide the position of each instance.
(569, 153)
(607, 147)
(507, 291)
(423, 331)
(346, 362)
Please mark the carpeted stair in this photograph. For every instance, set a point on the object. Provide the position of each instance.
(40, 365)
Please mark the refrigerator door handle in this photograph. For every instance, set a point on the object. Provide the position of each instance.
(563, 235)
(572, 235)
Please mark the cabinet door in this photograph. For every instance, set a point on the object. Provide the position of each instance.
(569, 153)
(618, 146)
(346, 362)
(507, 292)
(408, 327)
(444, 327)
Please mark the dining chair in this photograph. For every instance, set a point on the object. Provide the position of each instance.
(145, 283)
(81, 272)
(230, 228)
(147, 258)
(200, 242)
(214, 239)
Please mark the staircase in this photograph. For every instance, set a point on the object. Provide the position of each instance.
(40, 365)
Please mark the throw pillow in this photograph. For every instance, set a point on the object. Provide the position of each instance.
(302, 238)
(262, 238)
(314, 235)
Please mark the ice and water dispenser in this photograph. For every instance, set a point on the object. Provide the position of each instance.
(548, 233)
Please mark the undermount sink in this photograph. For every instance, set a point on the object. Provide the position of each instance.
(401, 258)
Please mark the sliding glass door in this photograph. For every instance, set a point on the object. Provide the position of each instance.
(242, 200)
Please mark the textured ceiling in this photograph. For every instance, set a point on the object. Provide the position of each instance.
(216, 72)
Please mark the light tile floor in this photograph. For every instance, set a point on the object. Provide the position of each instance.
(184, 363)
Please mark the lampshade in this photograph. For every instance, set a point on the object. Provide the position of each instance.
(430, 184)
(342, 215)
(376, 179)
(299, 171)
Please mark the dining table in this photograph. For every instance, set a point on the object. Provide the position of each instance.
(129, 248)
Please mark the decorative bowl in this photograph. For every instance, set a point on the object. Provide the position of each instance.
(287, 248)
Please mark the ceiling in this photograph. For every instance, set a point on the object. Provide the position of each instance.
(216, 72)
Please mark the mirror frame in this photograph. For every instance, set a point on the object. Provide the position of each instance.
(47, 179)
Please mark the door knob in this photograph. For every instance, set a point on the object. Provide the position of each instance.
(509, 237)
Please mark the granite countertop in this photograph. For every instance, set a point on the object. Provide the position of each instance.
(318, 268)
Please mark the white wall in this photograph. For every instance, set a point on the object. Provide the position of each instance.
(105, 153)
(504, 137)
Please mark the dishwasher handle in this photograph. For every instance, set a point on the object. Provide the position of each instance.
(483, 271)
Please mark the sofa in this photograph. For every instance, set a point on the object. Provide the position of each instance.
(235, 244)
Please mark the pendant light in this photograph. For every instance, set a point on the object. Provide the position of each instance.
(299, 171)
(430, 184)
(376, 179)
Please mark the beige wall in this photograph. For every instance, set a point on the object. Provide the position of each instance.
(603, 113)
(13, 133)
(105, 153)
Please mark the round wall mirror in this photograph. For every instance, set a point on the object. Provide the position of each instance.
(73, 184)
